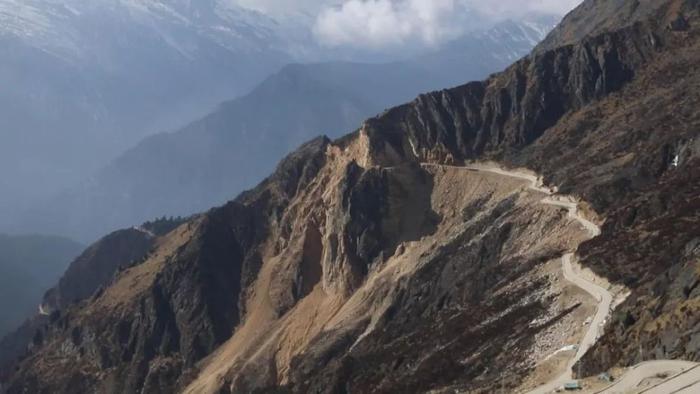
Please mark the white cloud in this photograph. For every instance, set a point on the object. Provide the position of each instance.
(376, 24)
(392, 24)
(384, 24)
(488, 6)
(518, 8)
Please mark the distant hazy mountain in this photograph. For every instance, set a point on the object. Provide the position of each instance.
(375, 263)
(482, 53)
(84, 80)
(29, 265)
(231, 149)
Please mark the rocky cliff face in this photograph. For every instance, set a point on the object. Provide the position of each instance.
(370, 264)
(320, 263)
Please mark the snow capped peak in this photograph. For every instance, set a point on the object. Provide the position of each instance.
(78, 31)
(66, 28)
(519, 37)
(38, 24)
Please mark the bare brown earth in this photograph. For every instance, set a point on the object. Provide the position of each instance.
(312, 290)
(265, 346)
(356, 269)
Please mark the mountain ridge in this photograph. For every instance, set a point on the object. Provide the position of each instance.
(357, 260)
(195, 166)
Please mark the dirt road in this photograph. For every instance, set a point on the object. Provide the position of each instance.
(682, 377)
(602, 295)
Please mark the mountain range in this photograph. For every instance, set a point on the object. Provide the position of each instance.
(83, 81)
(506, 235)
(234, 147)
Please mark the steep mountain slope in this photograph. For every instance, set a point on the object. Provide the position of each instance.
(371, 264)
(234, 147)
(596, 17)
(347, 238)
(29, 265)
(231, 149)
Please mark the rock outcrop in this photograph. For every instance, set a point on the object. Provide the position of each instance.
(370, 264)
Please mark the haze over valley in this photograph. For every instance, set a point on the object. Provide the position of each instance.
(77, 104)
(350, 196)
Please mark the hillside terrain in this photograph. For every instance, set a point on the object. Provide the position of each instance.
(29, 265)
(406, 257)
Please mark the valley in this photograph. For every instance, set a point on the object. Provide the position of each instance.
(533, 230)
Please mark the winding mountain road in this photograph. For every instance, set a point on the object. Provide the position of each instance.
(603, 296)
(684, 377)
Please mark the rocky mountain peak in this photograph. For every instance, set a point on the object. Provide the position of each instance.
(433, 248)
